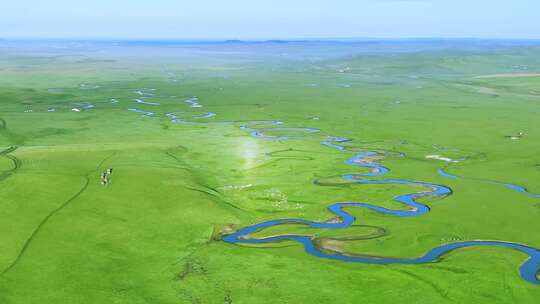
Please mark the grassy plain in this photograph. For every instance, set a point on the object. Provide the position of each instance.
(151, 235)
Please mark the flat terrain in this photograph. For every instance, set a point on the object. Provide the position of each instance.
(205, 139)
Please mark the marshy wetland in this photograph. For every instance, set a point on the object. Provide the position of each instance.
(270, 172)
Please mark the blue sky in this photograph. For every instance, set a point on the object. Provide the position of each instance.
(261, 19)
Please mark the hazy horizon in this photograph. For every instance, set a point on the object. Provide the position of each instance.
(247, 20)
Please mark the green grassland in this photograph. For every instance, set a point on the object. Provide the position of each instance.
(152, 234)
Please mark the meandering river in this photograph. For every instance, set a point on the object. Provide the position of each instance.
(263, 129)
(529, 270)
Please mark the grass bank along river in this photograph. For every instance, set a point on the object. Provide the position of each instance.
(269, 172)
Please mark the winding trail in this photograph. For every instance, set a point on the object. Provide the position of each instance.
(44, 221)
(17, 163)
(213, 193)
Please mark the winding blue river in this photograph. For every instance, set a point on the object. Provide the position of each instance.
(263, 129)
(529, 270)
(517, 188)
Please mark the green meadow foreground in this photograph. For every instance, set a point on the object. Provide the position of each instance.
(168, 117)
